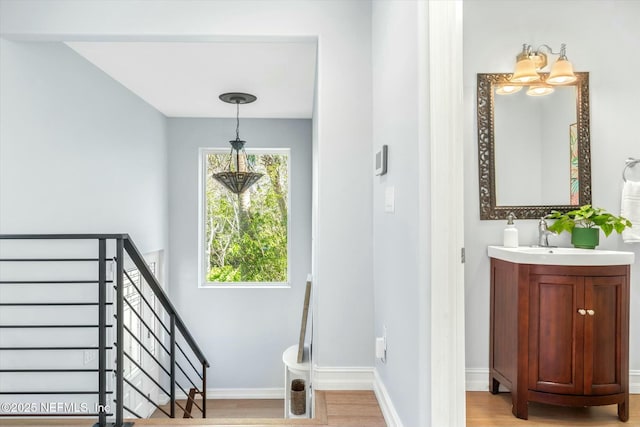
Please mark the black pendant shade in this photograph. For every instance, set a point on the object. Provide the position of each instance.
(239, 177)
(237, 182)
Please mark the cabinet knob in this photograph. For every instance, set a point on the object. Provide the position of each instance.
(591, 312)
(582, 311)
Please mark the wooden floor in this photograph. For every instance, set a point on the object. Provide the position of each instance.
(233, 408)
(487, 410)
(360, 409)
(333, 408)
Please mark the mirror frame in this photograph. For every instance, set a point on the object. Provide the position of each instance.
(486, 149)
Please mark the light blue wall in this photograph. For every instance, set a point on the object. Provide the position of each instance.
(79, 153)
(395, 235)
(242, 331)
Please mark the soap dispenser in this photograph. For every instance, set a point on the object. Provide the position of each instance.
(510, 233)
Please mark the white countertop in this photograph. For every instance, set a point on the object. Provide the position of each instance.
(560, 256)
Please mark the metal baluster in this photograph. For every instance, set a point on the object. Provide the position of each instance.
(204, 390)
(119, 333)
(102, 332)
(172, 338)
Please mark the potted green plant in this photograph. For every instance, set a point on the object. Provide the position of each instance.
(585, 224)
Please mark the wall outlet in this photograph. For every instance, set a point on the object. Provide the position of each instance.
(381, 345)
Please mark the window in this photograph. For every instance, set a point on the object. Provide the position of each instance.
(244, 238)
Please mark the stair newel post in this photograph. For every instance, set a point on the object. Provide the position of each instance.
(102, 332)
(172, 369)
(119, 333)
(204, 390)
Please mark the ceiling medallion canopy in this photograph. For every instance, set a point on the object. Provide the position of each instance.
(239, 176)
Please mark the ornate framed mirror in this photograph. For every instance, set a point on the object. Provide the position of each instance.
(534, 152)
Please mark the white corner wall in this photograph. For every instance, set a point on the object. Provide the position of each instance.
(79, 153)
(598, 34)
(395, 235)
(342, 260)
(418, 277)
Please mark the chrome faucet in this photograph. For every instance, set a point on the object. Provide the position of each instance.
(543, 234)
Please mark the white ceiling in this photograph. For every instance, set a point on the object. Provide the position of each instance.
(184, 79)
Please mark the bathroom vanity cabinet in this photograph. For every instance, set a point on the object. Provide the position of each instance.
(560, 334)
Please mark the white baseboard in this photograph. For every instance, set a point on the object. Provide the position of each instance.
(477, 379)
(342, 378)
(325, 378)
(634, 381)
(391, 417)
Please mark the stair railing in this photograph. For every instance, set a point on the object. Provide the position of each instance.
(168, 358)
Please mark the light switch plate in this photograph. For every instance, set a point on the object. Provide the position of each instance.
(390, 200)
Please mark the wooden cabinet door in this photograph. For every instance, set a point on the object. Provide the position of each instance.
(603, 334)
(556, 334)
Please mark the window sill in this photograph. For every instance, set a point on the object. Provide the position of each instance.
(245, 285)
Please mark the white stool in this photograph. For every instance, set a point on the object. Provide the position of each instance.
(292, 370)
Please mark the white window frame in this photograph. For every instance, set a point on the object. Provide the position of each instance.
(202, 265)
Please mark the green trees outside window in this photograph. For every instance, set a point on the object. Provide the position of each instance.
(245, 237)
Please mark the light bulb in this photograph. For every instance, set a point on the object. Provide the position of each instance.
(507, 89)
(540, 90)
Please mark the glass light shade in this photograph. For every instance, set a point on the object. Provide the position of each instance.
(540, 90)
(561, 73)
(508, 89)
(525, 71)
(237, 182)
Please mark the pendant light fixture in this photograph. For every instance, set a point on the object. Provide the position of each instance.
(240, 176)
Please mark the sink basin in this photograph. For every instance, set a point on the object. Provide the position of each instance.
(560, 256)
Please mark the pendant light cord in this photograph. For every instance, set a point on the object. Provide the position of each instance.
(237, 120)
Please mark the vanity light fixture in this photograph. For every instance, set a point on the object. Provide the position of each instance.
(240, 176)
(529, 62)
